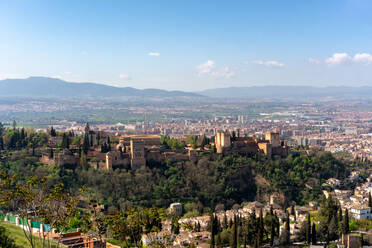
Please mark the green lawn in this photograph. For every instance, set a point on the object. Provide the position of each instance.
(18, 236)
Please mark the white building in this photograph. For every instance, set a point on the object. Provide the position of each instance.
(175, 208)
(157, 237)
(361, 212)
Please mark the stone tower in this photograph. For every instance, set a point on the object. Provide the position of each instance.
(273, 138)
(222, 140)
(137, 152)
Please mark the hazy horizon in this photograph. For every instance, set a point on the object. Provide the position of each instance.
(195, 91)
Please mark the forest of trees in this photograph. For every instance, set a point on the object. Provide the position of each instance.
(212, 180)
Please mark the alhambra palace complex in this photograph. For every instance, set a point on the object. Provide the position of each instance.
(134, 151)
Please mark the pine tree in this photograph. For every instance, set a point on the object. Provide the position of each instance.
(313, 235)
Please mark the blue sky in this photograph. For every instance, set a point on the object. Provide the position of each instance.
(189, 45)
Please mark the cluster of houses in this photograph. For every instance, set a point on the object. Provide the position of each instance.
(200, 238)
(356, 201)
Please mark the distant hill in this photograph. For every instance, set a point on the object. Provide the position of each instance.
(52, 87)
(269, 92)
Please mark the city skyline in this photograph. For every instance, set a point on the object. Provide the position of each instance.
(190, 45)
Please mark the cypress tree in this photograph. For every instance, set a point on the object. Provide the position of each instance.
(1, 129)
(86, 143)
(261, 226)
(234, 242)
(340, 222)
(287, 227)
(53, 132)
(332, 229)
(277, 225)
(1, 143)
(83, 161)
(65, 141)
(308, 229)
(219, 240)
(108, 141)
(245, 241)
(346, 222)
(272, 233)
(212, 226)
(23, 135)
(370, 200)
(225, 221)
(313, 235)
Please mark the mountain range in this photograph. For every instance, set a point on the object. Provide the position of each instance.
(52, 87)
(293, 92)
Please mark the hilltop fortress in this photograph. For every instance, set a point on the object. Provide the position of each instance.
(271, 145)
(135, 151)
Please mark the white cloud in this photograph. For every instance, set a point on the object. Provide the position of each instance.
(363, 58)
(154, 54)
(206, 68)
(225, 72)
(313, 61)
(209, 68)
(344, 58)
(338, 59)
(124, 76)
(269, 63)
